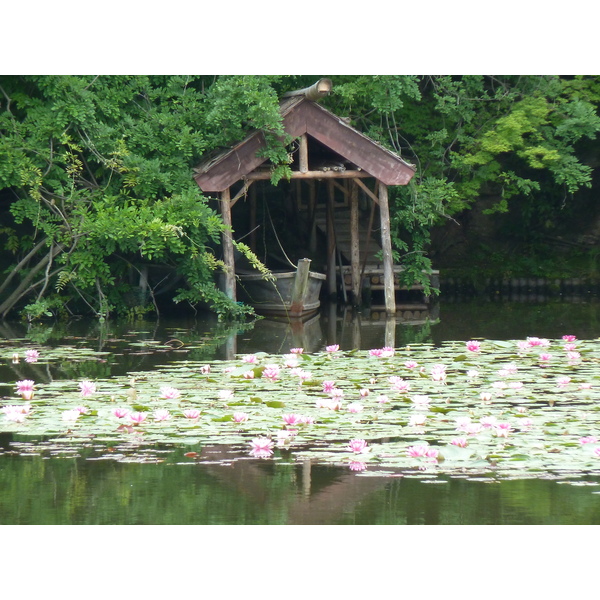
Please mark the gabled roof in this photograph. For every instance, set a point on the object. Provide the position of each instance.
(303, 116)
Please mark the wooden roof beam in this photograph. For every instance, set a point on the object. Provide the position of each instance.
(263, 175)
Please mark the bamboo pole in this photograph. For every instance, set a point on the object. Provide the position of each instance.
(253, 219)
(386, 245)
(228, 257)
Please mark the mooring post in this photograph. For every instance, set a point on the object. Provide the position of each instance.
(300, 286)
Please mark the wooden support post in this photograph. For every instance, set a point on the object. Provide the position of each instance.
(331, 278)
(312, 207)
(354, 245)
(386, 246)
(227, 238)
(303, 156)
(390, 332)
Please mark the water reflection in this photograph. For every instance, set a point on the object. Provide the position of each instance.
(219, 485)
(42, 490)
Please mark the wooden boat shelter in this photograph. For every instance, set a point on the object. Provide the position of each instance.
(317, 133)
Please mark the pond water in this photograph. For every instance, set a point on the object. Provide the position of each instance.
(217, 483)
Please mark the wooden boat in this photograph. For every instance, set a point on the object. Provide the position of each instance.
(293, 294)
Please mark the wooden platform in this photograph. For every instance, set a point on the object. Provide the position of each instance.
(373, 278)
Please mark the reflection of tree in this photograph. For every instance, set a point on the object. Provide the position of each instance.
(219, 487)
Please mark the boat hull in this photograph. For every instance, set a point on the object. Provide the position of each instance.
(275, 297)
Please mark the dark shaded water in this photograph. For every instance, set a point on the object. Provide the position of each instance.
(227, 488)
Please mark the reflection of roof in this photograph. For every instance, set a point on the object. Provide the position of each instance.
(301, 116)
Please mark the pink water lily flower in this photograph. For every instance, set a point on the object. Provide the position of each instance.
(306, 420)
(205, 370)
(328, 386)
(569, 338)
(120, 413)
(402, 386)
(526, 424)
(70, 415)
(301, 374)
(485, 397)
(462, 423)
(191, 413)
(329, 403)
(291, 361)
(461, 442)
(137, 418)
(473, 428)
(563, 381)
(271, 372)
(383, 399)
(590, 439)
(569, 347)
(411, 364)
(358, 446)
(285, 437)
(261, 447)
(31, 356)
(162, 414)
(25, 388)
(250, 358)
(82, 410)
(332, 348)
(387, 352)
(292, 419)
(87, 388)
(572, 356)
(248, 375)
(16, 414)
(240, 417)
(417, 421)
(545, 357)
(355, 407)
(438, 372)
(420, 450)
(376, 352)
(473, 346)
(357, 465)
(535, 341)
(169, 393)
(488, 422)
(296, 350)
(420, 401)
(503, 429)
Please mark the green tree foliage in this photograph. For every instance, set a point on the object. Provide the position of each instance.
(96, 187)
(101, 170)
(517, 138)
